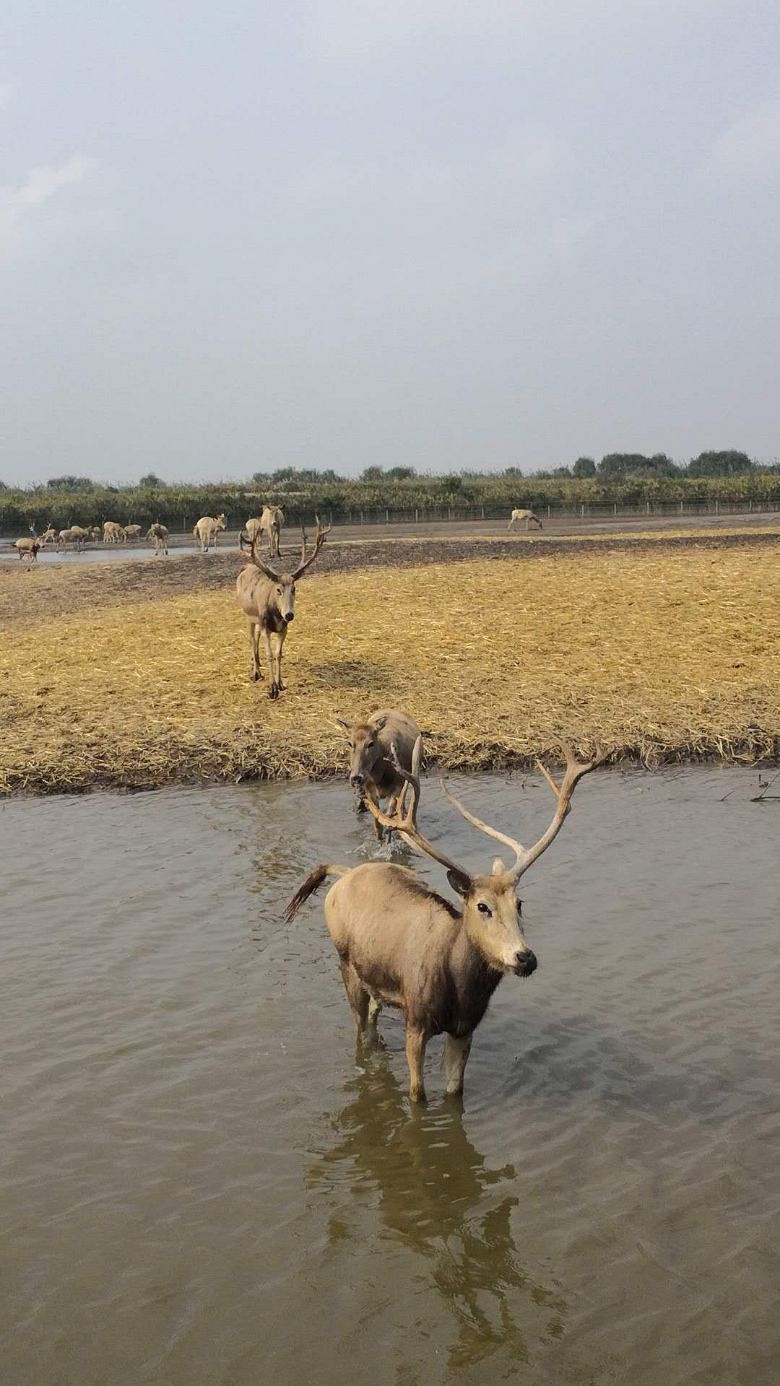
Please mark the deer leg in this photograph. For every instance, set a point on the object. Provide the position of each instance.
(416, 1041)
(456, 1053)
(357, 995)
(273, 691)
(278, 642)
(254, 643)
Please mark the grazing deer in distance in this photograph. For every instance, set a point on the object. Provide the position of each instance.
(113, 533)
(132, 533)
(75, 535)
(402, 944)
(159, 534)
(527, 515)
(207, 529)
(267, 599)
(373, 744)
(269, 523)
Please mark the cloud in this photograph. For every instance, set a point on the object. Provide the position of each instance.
(39, 186)
(748, 152)
(6, 95)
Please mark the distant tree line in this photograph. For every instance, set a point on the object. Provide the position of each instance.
(621, 479)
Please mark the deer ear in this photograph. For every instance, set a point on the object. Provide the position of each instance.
(378, 723)
(459, 881)
(498, 868)
(341, 723)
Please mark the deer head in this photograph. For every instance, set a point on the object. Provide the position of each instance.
(491, 910)
(283, 590)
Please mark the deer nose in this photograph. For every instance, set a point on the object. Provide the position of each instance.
(356, 779)
(525, 962)
(289, 616)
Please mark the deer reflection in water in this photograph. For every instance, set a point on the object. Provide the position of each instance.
(437, 1198)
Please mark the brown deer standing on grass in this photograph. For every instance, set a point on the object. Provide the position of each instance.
(267, 599)
(402, 944)
(373, 743)
(527, 515)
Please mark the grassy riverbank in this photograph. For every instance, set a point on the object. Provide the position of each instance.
(657, 652)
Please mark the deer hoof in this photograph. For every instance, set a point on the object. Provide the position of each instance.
(254, 675)
(273, 691)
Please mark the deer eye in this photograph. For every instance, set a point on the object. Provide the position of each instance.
(484, 909)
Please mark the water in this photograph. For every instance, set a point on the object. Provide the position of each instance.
(102, 555)
(200, 1183)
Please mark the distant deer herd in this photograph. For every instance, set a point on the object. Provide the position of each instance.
(399, 942)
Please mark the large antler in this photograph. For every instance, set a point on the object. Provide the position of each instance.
(526, 856)
(319, 540)
(258, 562)
(404, 820)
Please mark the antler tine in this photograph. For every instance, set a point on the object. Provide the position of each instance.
(575, 770)
(517, 847)
(404, 820)
(258, 562)
(319, 540)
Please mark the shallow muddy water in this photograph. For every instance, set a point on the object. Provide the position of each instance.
(201, 1184)
(102, 555)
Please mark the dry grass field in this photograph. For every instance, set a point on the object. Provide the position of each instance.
(658, 653)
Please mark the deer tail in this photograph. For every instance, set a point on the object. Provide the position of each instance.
(313, 882)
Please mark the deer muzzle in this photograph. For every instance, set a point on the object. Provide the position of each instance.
(525, 963)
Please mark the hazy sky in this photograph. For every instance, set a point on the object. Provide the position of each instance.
(347, 232)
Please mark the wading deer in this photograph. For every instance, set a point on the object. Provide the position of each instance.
(207, 529)
(113, 533)
(402, 944)
(160, 536)
(28, 548)
(527, 515)
(267, 599)
(373, 743)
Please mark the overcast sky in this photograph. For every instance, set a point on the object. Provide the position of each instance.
(339, 233)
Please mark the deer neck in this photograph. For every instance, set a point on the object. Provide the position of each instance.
(475, 980)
